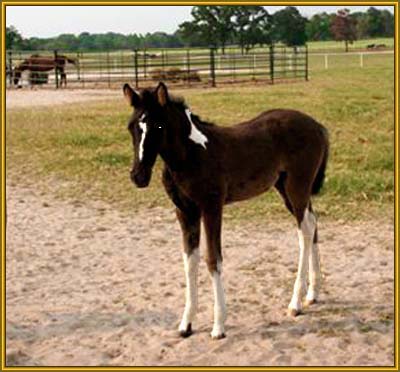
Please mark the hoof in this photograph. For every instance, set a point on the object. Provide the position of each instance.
(310, 302)
(218, 337)
(293, 312)
(187, 332)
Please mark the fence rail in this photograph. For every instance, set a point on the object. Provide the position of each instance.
(180, 67)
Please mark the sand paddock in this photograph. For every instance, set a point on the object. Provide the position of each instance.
(87, 285)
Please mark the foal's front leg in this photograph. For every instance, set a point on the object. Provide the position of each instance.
(306, 230)
(190, 225)
(212, 218)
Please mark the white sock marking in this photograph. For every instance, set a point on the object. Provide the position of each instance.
(195, 134)
(219, 304)
(306, 235)
(191, 264)
(314, 274)
(143, 127)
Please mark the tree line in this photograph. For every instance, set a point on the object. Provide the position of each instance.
(219, 26)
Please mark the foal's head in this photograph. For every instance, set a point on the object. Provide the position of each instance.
(147, 127)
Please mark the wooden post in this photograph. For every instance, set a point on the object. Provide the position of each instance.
(108, 69)
(10, 68)
(56, 70)
(145, 63)
(78, 67)
(306, 62)
(212, 66)
(188, 65)
(136, 69)
(271, 63)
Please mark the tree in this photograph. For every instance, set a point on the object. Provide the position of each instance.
(14, 39)
(214, 24)
(374, 22)
(251, 26)
(190, 34)
(318, 27)
(289, 26)
(343, 27)
(360, 19)
(388, 23)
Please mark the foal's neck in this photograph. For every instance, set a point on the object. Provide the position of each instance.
(177, 150)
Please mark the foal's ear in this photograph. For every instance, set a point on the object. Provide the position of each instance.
(130, 95)
(162, 94)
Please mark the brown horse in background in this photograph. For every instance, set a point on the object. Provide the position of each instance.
(37, 63)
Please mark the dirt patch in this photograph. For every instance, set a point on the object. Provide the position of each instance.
(20, 98)
(87, 285)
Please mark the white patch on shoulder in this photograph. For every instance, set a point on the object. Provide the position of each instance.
(195, 134)
(143, 127)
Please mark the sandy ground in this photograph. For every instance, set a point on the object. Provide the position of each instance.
(19, 98)
(87, 285)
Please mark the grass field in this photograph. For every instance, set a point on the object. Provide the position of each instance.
(83, 151)
(357, 44)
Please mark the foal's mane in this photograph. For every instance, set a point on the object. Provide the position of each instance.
(178, 102)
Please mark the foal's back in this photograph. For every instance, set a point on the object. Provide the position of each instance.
(276, 136)
(259, 150)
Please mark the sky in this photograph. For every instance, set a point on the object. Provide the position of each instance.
(49, 21)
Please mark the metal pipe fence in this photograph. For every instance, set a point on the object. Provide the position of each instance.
(141, 67)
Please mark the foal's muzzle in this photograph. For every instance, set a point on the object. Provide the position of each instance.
(141, 178)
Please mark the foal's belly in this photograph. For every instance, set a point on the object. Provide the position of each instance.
(250, 187)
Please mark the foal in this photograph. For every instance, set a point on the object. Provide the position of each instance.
(207, 166)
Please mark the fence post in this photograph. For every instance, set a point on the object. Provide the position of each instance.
(163, 60)
(108, 68)
(10, 68)
(136, 69)
(56, 71)
(212, 66)
(81, 69)
(145, 63)
(271, 63)
(188, 66)
(306, 62)
(78, 67)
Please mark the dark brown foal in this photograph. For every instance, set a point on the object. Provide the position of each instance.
(207, 166)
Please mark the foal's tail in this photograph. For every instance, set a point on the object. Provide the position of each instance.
(319, 178)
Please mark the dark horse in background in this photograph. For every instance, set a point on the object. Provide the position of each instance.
(37, 64)
(208, 166)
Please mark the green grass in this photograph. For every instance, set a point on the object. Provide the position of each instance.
(332, 45)
(85, 149)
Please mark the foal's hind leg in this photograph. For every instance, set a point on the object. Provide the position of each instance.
(306, 222)
(314, 269)
(298, 193)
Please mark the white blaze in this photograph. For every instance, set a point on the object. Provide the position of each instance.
(143, 127)
(195, 135)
